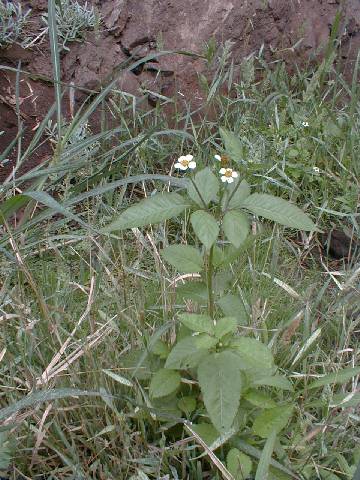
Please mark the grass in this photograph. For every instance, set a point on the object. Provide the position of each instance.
(75, 305)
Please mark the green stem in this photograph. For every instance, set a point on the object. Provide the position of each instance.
(198, 192)
(231, 195)
(209, 282)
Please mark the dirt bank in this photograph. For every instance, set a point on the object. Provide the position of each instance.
(138, 28)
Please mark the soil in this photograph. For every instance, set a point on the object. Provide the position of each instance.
(134, 28)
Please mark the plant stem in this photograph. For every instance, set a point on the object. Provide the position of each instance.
(228, 200)
(209, 282)
(198, 192)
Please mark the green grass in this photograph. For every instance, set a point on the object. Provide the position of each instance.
(75, 305)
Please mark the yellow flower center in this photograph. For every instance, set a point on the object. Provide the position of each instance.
(185, 163)
(228, 172)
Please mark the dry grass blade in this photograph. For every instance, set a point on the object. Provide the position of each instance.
(214, 459)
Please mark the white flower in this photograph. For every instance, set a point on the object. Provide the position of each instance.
(228, 175)
(316, 169)
(184, 162)
(217, 157)
(305, 124)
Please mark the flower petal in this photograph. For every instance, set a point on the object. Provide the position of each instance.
(230, 179)
(217, 157)
(224, 179)
(189, 157)
(234, 174)
(183, 167)
(192, 165)
(222, 171)
(177, 165)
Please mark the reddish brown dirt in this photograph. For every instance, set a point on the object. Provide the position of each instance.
(138, 28)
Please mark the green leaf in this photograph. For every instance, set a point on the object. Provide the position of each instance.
(207, 432)
(232, 305)
(236, 227)
(341, 376)
(5, 451)
(272, 420)
(11, 205)
(150, 210)
(238, 464)
(224, 326)
(184, 258)
(193, 290)
(256, 358)
(220, 382)
(185, 354)
(207, 185)
(241, 193)
(161, 349)
(197, 323)
(164, 382)
(262, 471)
(232, 144)
(278, 210)
(205, 227)
(277, 381)
(259, 399)
(205, 341)
(187, 405)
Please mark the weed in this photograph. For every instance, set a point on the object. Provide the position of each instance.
(73, 20)
(12, 22)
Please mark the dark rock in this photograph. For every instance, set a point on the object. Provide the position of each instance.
(338, 245)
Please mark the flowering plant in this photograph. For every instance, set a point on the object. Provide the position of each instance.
(210, 365)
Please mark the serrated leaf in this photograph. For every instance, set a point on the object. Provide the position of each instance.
(220, 382)
(164, 382)
(235, 200)
(149, 211)
(238, 464)
(207, 185)
(278, 210)
(224, 326)
(232, 305)
(256, 358)
(272, 420)
(184, 258)
(193, 290)
(232, 144)
(197, 323)
(277, 381)
(185, 354)
(259, 399)
(341, 376)
(236, 227)
(207, 432)
(205, 341)
(187, 405)
(205, 227)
